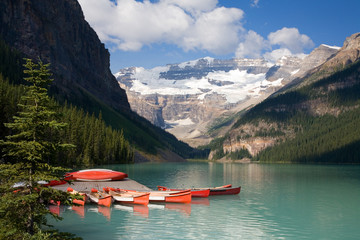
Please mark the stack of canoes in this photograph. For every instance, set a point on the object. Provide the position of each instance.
(110, 195)
(123, 196)
(93, 175)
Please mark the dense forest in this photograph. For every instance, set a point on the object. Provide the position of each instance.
(315, 123)
(95, 142)
(333, 137)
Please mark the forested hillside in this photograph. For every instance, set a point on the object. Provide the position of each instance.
(95, 142)
(328, 131)
(317, 122)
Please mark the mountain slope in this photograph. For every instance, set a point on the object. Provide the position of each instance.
(57, 32)
(316, 120)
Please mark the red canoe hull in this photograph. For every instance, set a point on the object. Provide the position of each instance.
(142, 200)
(200, 193)
(102, 199)
(178, 197)
(96, 175)
(225, 191)
(203, 193)
(135, 198)
(55, 183)
(106, 201)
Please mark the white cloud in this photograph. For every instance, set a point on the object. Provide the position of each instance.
(216, 31)
(193, 6)
(252, 46)
(255, 3)
(283, 42)
(274, 55)
(291, 39)
(191, 25)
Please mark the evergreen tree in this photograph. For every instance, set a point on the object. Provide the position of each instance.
(29, 154)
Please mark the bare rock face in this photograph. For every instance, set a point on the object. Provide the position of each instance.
(349, 53)
(57, 32)
(317, 57)
(290, 68)
(284, 68)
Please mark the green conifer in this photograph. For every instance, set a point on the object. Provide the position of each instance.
(29, 154)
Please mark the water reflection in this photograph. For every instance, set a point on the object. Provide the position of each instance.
(55, 209)
(79, 210)
(137, 210)
(104, 211)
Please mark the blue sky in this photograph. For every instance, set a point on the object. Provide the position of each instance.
(153, 33)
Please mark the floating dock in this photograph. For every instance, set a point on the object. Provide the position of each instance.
(87, 186)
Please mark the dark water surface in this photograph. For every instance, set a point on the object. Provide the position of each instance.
(277, 201)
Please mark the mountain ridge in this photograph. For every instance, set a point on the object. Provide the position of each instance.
(187, 98)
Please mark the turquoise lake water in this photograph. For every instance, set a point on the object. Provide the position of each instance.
(277, 201)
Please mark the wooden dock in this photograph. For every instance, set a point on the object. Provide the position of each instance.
(87, 186)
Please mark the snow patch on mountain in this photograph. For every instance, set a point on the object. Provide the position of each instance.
(295, 72)
(182, 122)
(332, 47)
(234, 85)
(247, 78)
(193, 63)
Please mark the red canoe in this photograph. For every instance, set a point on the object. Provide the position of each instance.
(225, 190)
(222, 190)
(54, 183)
(194, 192)
(171, 196)
(95, 175)
(100, 198)
(128, 197)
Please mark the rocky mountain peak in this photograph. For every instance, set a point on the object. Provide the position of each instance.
(349, 53)
(318, 56)
(352, 42)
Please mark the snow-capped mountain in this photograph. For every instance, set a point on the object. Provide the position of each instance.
(187, 98)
